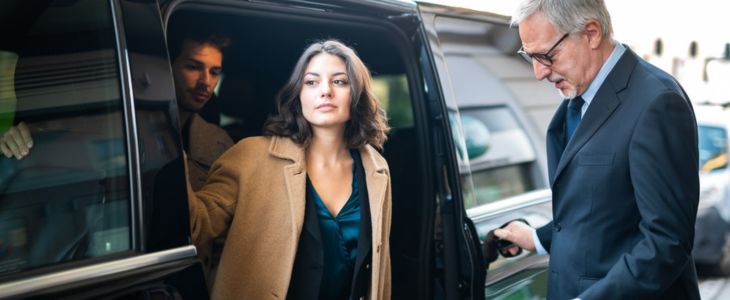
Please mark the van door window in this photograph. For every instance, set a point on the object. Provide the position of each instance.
(68, 198)
(500, 153)
(392, 91)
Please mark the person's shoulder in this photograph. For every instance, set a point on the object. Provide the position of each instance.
(253, 143)
(202, 129)
(244, 158)
(247, 149)
(661, 80)
(266, 151)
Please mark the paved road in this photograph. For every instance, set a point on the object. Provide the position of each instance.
(715, 288)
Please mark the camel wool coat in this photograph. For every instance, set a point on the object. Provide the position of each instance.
(255, 193)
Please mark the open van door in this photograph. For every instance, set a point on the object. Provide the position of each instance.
(502, 165)
(434, 248)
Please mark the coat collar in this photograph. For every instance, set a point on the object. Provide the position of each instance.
(604, 104)
(372, 160)
(286, 148)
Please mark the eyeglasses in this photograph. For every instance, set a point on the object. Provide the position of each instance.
(543, 58)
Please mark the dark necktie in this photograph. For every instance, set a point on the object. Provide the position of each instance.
(573, 117)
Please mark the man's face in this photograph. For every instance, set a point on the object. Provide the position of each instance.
(569, 72)
(196, 71)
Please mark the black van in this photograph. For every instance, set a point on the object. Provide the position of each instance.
(80, 217)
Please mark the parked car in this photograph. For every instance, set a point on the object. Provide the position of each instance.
(82, 216)
(712, 229)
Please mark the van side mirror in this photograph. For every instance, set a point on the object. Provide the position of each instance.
(476, 135)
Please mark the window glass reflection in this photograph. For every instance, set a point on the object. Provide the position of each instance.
(67, 199)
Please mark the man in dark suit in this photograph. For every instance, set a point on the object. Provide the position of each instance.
(622, 162)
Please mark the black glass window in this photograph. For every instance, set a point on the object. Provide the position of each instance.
(67, 199)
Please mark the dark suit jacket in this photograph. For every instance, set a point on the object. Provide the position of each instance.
(625, 191)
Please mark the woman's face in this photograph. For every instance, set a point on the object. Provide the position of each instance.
(325, 94)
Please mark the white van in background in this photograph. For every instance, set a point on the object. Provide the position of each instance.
(712, 228)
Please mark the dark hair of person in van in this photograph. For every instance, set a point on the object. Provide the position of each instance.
(177, 37)
(367, 124)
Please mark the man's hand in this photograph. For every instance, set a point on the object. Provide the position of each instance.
(16, 142)
(518, 233)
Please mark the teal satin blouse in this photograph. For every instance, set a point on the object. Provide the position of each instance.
(339, 241)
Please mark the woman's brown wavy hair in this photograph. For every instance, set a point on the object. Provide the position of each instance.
(367, 124)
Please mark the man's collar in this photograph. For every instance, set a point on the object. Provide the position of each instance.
(618, 50)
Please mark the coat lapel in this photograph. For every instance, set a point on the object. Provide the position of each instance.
(601, 108)
(377, 182)
(295, 177)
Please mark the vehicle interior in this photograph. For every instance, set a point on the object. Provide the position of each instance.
(257, 64)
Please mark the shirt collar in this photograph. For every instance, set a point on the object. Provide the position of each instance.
(588, 95)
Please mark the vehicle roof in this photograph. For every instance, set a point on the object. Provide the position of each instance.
(373, 6)
(463, 12)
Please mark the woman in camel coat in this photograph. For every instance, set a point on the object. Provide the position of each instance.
(306, 208)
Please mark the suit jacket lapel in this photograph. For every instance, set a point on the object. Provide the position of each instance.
(603, 105)
(555, 143)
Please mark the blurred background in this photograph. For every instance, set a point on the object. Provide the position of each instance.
(688, 39)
